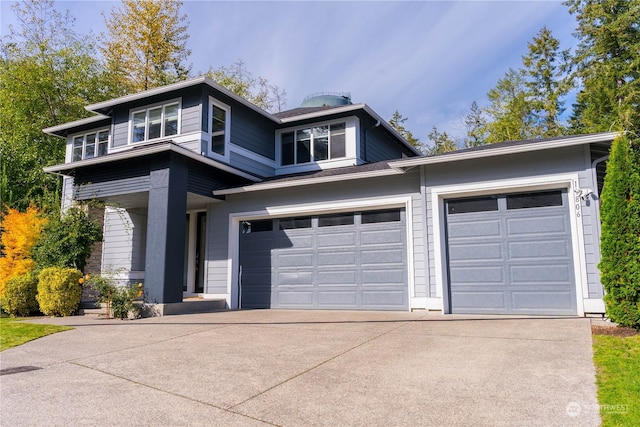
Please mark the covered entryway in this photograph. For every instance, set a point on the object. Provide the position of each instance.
(352, 260)
(511, 254)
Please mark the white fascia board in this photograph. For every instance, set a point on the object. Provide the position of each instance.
(178, 86)
(53, 130)
(502, 151)
(308, 181)
(145, 151)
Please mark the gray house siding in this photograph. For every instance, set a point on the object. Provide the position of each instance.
(376, 143)
(129, 177)
(330, 194)
(124, 245)
(559, 161)
(591, 227)
(250, 165)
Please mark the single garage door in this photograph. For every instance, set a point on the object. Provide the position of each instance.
(354, 260)
(511, 254)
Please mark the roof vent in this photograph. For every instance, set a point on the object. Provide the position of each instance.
(327, 99)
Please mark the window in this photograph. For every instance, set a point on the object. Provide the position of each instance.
(90, 145)
(292, 223)
(534, 200)
(155, 122)
(257, 226)
(387, 215)
(472, 204)
(219, 122)
(335, 219)
(315, 144)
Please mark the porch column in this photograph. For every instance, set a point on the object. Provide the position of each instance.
(164, 262)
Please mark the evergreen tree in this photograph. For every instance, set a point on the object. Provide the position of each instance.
(620, 241)
(397, 122)
(476, 124)
(547, 82)
(442, 143)
(607, 64)
(146, 44)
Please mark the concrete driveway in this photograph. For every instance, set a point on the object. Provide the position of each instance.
(299, 368)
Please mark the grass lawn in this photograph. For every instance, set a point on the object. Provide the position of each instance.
(14, 332)
(617, 360)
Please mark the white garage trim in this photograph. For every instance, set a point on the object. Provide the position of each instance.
(544, 182)
(236, 218)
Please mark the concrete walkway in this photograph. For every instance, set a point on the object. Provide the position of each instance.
(304, 368)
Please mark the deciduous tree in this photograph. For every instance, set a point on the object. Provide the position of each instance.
(145, 45)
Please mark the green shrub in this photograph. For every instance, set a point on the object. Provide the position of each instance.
(620, 242)
(19, 298)
(59, 291)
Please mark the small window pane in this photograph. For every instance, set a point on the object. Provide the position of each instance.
(219, 119)
(287, 149)
(139, 126)
(291, 223)
(335, 219)
(90, 149)
(534, 200)
(217, 144)
(321, 131)
(78, 142)
(387, 215)
(171, 120)
(258, 226)
(473, 204)
(320, 149)
(155, 123)
(102, 148)
(338, 141)
(303, 152)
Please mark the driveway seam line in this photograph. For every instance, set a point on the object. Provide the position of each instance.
(319, 364)
(170, 392)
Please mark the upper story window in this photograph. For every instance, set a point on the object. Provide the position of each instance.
(90, 145)
(220, 126)
(314, 144)
(158, 121)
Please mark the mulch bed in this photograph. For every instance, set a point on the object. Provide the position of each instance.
(614, 330)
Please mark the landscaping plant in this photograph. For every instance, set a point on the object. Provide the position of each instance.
(19, 298)
(620, 241)
(119, 300)
(59, 291)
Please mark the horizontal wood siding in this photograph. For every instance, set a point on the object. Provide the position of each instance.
(590, 226)
(120, 137)
(246, 164)
(253, 132)
(129, 177)
(124, 245)
(377, 144)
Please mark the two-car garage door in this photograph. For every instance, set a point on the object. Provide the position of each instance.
(352, 260)
(511, 254)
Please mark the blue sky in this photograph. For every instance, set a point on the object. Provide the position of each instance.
(427, 59)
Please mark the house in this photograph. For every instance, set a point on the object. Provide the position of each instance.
(326, 207)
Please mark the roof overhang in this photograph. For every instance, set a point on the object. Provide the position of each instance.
(306, 181)
(105, 106)
(498, 150)
(61, 130)
(158, 147)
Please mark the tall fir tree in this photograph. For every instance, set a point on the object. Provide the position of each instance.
(145, 45)
(607, 63)
(476, 124)
(397, 122)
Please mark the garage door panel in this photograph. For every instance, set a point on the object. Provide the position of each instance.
(378, 298)
(295, 298)
(532, 249)
(346, 278)
(537, 225)
(337, 239)
(296, 277)
(378, 277)
(295, 240)
(477, 274)
(484, 228)
(377, 257)
(540, 273)
(378, 237)
(285, 259)
(478, 302)
(527, 270)
(476, 251)
(336, 259)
